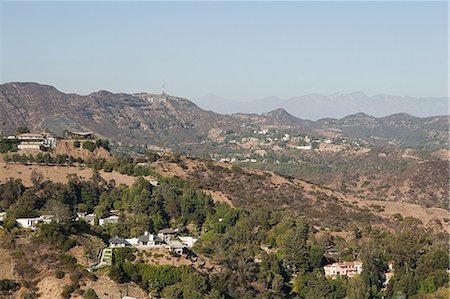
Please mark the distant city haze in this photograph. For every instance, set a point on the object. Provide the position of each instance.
(236, 50)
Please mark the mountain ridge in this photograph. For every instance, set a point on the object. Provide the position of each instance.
(316, 106)
(171, 121)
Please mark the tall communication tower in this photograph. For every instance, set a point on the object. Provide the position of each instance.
(163, 93)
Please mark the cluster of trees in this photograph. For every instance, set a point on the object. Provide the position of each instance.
(92, 145)
(166, 281)
(8, 145)
(42, 158)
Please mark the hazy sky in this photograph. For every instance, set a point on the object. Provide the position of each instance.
(239, 50)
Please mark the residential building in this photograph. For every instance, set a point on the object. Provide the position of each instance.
(167, 233)
(188, 241)
(30, 141)
(35, 141)
(175, 246)
(2, 216)
(349, 269)
(149, 240)
(90, 218)
(110, 219)
(116, 242)
(33, 222)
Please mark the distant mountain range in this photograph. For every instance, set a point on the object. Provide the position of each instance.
(338, 105)
(180, 124)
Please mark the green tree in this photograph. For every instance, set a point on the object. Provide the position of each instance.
(90, 294)
(89, 145)
(23, 130)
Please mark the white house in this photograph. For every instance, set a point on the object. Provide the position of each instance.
(35, 141)
(89, 218)
(175, 246)
(149, 240)
(110, 219)
(2, 216)
(33, 222)
(188, 241)
(349, 269)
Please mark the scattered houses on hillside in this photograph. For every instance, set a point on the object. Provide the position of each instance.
(165, 238)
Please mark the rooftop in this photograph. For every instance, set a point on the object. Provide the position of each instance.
(116, 240)
(30, 135)
(147, 237)
(167, 231)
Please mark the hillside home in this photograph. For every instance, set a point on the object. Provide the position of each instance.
(167, 233)
(90, 218)
(116, 242)
(149, 240)
(175, 246)
(33, 222)
(2, 216)
(110, 219)
(349, 269)
(188, 241)
(35, 141)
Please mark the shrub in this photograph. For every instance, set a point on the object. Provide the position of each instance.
(76, 144)
(59, 274)
(89, 145)
(8, 285)
(107, 167)
(90, 294)
(397, 217)
(68, 261)
(23, 129)
(67, 290)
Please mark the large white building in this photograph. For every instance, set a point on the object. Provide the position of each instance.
(349, 269)
(35, 141)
